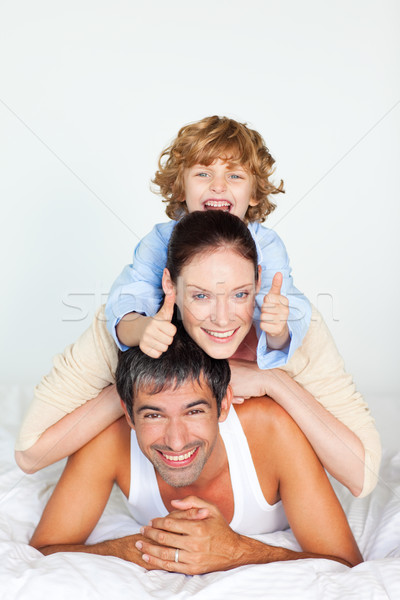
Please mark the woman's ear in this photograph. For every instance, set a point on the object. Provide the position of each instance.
(167, 284)
(258, 284)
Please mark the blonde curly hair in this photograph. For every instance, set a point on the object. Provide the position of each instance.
(205, 141)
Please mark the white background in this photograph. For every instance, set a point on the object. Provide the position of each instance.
(90, 93)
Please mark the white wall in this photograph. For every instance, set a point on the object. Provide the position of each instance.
(91, 91)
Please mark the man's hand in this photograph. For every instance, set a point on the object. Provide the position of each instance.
(158, 332)
(274, 314)
(198, 530)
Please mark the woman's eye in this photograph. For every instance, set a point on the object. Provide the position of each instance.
(199, 297)
(241, 295)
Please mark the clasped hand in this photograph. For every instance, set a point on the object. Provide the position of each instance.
(198, 530)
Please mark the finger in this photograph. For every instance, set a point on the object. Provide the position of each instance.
(152, 558)
(166, 312)
(166, 554)
(276, 284)
(174, 523)
(190, 502)
(238, 400)
(163, 538)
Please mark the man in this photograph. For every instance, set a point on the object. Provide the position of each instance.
(199, 476)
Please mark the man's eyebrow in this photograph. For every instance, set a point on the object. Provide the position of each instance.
(198, 403)
(148, 407)
(158, 409)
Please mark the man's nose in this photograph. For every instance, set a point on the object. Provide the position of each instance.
(176, 436)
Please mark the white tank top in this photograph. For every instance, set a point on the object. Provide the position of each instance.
(252, 513)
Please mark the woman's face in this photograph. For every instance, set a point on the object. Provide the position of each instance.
(215, 293)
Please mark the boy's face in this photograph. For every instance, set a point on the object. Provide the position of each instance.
(223, 185)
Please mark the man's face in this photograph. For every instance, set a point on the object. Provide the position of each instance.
(177, 430)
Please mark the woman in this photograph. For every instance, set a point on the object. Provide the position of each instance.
(213, 274)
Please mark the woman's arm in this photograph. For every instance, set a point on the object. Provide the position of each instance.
(72, 432)
(338, 448)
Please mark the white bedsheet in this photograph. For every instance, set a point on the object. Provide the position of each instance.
(26, 574)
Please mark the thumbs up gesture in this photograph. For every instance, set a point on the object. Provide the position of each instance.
(158, 331)
(274, 315)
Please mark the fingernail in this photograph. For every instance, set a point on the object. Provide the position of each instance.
(150, 524)
(139, 545)
(146, 557)
(203, 511)
(142, 530)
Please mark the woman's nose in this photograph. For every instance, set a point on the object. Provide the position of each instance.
(222, 313)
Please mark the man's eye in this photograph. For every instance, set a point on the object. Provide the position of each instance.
(152, 416)
(195, 411)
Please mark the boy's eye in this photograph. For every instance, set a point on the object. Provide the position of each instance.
(202, 174)
(235, 176)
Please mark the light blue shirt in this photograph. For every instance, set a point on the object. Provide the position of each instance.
(138, 288)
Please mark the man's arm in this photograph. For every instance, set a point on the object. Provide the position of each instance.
(206, 543)
(311, 506)
(80, 496)
(339, 449)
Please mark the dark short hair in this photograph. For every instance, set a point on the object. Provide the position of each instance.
(206, 231)
(183, 361)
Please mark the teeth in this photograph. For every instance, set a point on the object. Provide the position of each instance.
(216, 204)
(180, 457)
(220, 334)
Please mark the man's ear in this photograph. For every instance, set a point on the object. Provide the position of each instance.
(130, 422)
(167, 284)
(258, 284)
(226, 404)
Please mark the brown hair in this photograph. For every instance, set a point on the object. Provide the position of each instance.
(202, 143)
(205, 231)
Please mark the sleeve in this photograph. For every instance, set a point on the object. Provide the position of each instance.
(79, 374)
(138, 288)
(272, 257)
(319, 368)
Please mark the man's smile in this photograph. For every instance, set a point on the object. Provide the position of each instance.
(179, 460)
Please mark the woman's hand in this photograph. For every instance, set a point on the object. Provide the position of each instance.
(274, 315)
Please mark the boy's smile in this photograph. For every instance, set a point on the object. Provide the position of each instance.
(222, 185)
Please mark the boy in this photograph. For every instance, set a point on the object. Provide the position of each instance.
(220, 164)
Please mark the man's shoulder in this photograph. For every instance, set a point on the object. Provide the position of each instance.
(108, 448)
(265, 423)
(260, 412)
